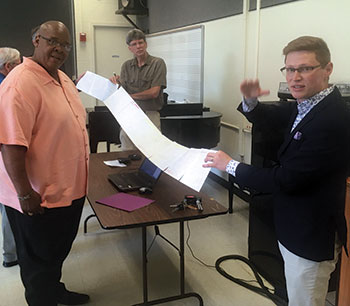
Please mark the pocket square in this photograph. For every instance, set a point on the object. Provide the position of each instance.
(297, 135)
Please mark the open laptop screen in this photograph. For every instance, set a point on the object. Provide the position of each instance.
(150, 168)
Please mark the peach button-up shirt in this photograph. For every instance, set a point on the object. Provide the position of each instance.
(48, 119)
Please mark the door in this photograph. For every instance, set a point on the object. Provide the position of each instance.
(111, 50)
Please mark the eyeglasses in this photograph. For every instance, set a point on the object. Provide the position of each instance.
(302, 70)
(54, 42)
(134, 44)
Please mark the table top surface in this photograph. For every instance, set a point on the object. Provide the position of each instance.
(166, 191)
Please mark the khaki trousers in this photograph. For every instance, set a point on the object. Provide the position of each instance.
(307, 280)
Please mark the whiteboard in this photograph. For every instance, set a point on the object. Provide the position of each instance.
(183, 52)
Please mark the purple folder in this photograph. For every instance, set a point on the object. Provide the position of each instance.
(125, 201)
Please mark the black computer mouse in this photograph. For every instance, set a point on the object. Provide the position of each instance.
(124, 160)
(135, 156)
(145, 190)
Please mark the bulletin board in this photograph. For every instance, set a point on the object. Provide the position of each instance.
(182, 50)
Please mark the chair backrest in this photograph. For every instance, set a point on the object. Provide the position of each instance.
(102, 127)
(101, 108)
(165, 97)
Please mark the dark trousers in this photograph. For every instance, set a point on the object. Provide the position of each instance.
(43, 243)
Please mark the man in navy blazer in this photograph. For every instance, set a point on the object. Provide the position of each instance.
(309, 182)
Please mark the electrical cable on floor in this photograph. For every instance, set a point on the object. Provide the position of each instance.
(262, 290)
(188, 245)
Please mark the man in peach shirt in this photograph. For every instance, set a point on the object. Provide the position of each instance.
(43, 165)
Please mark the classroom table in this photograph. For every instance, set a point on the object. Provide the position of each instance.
(167, 191)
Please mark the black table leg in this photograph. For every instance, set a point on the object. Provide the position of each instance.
(144, 264)
(182, 258)
(182, 294)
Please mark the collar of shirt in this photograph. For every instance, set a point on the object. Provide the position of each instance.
(306, 105)
(147, 61)
(42, 74)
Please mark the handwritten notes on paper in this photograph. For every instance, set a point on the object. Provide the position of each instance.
(184, 164)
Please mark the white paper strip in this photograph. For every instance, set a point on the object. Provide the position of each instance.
(182, 163)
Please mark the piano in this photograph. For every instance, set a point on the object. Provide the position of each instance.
(187, 124)
(190, 125)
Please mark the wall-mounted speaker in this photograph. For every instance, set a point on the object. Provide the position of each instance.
(133, 7)
(136, 7)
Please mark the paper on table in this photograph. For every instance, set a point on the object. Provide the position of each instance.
(182, 163)
(114, 163)
(125, 201)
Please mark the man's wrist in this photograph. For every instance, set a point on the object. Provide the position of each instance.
(231, 167)
(248, 104)
(26, 196)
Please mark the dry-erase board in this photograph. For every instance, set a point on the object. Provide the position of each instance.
(182, 51)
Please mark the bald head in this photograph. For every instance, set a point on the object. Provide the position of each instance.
(53, 25)
(52, 43)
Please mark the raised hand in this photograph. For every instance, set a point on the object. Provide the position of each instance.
(251, 89)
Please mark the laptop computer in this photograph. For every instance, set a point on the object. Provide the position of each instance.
(146, 176)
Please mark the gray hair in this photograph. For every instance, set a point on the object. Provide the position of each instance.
(8, 55)
(135, 34)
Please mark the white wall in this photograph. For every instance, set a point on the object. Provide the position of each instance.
(90, 13)
(224, 56)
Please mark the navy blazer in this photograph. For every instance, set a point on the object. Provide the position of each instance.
(309, 182)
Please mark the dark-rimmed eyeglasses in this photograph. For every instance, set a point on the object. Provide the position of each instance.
(302, 70)
(54, 42)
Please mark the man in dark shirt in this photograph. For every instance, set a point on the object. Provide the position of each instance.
(144, 78)
(308, 184)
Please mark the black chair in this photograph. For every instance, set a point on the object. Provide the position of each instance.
(102, 127)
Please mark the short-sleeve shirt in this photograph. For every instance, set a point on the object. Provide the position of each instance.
(48, 119)
(135, 79)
